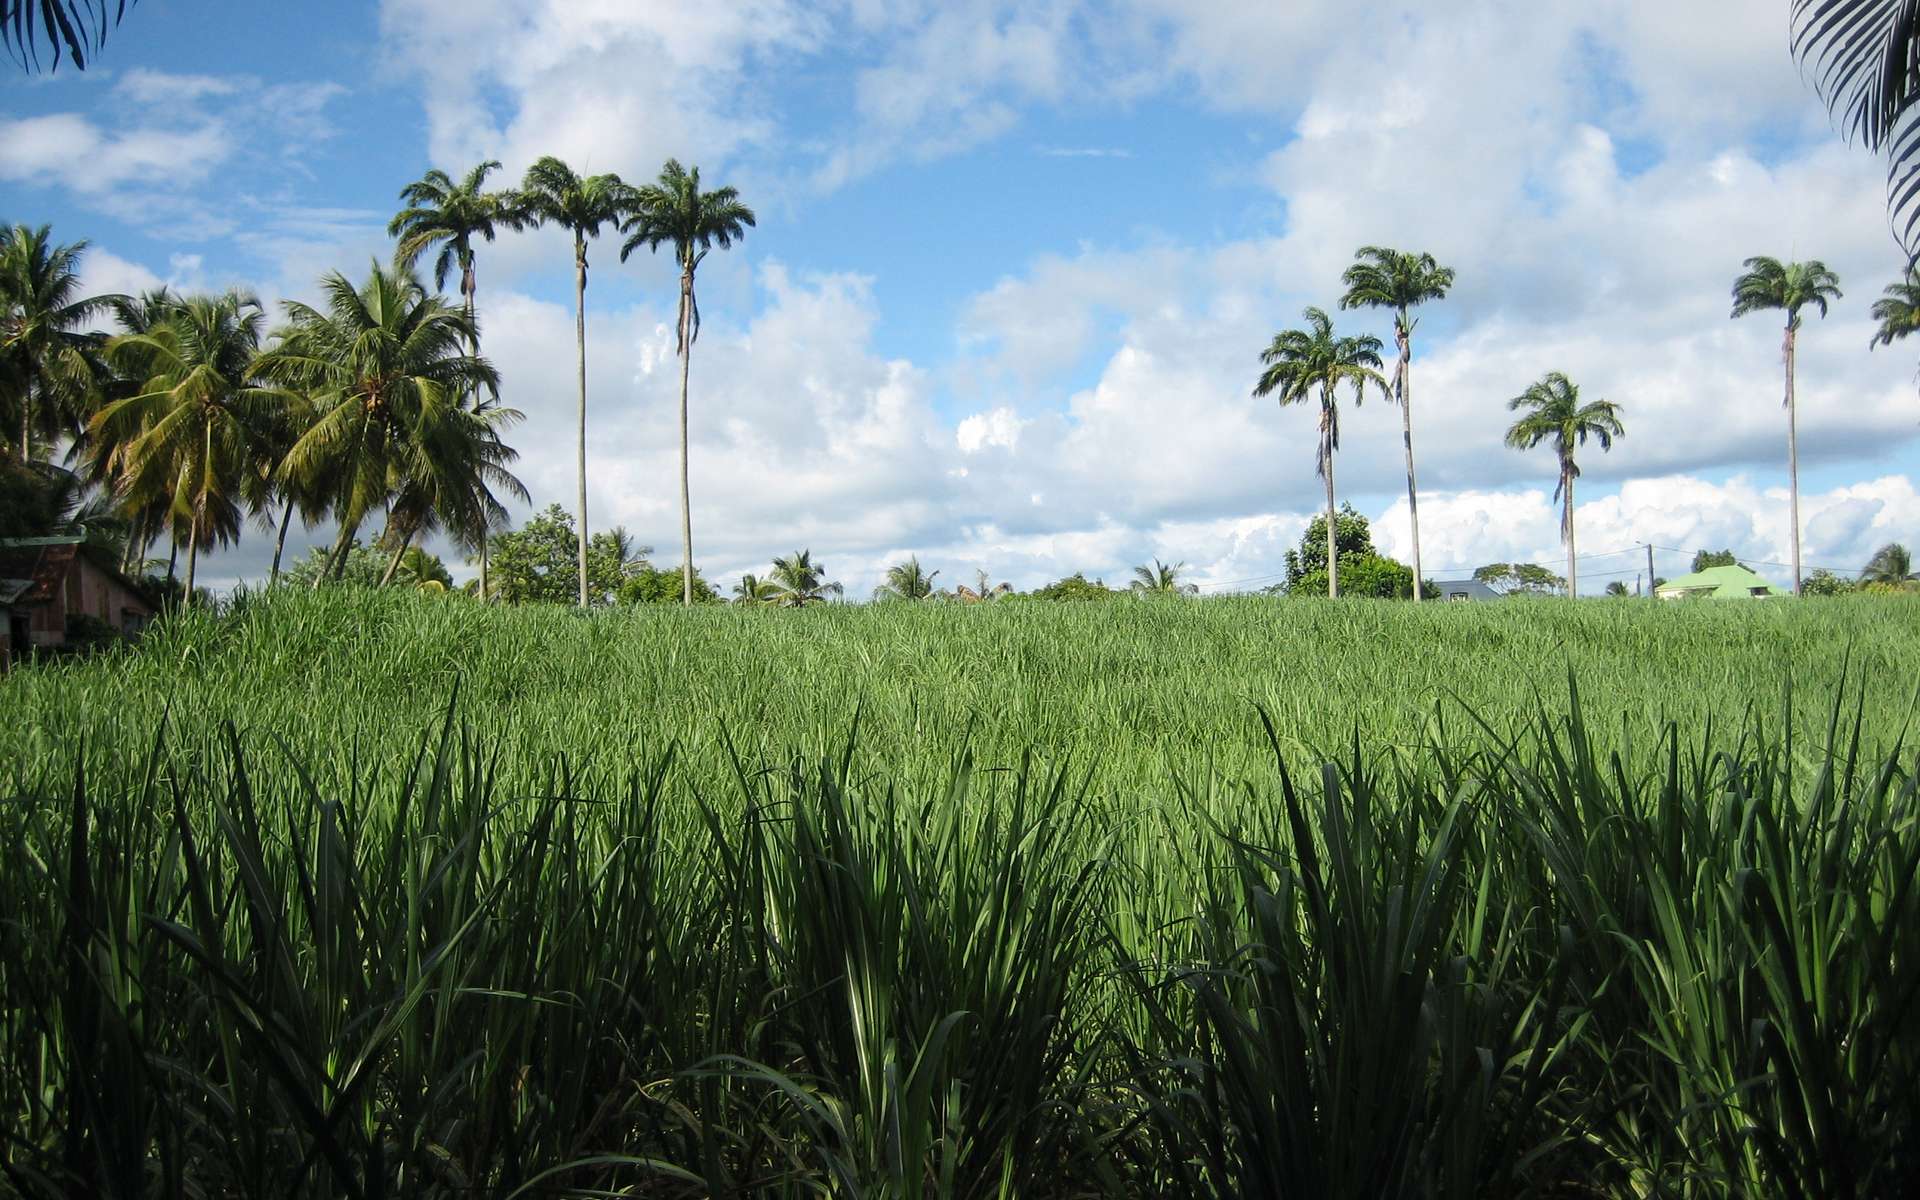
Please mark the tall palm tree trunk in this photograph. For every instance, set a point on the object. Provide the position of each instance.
(280, 544)
(173, 555)
(580, 342)
(1793, 459)
(26, 425)
(1573, 576)
(193, 556)
(1406, 434)
(686, 502)
(393, 564)
(337, 561)
(1333, 554)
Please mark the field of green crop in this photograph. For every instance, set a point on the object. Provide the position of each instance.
(378, 895)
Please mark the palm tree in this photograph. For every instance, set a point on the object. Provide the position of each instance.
(753, 590)
(1860, 55)
(189, 431)
(47, 360)
(1897, 310)
(802, 581)
(451, 486)
(1769, 284)
(1397, 280)
(552, 194)
(984, 589)
(388, 370)
(675, 210)
(1891, 564)
(1310, 364)
(76, 28)
(1162, 579)
(1554, 413)
(906, 581)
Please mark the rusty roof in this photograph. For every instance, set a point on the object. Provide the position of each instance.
(41, 563)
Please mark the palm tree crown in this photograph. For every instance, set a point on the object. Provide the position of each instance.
(448, 215)
(1553, 413)
(1891, 563)
(907, 581)
(753, 590)
(1897, 310)
(1769, 283)
(802, 581)
(1162, 579)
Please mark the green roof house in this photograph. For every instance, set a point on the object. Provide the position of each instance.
(1719, 583)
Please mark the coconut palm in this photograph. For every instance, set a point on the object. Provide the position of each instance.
(1860, 55)
(47, 357)
(754, 590)
(1162, 579)
(1311, 364)
(674, 210)
(387, 368)
(1770, 284)
(73, 28)
(907, 581)
(189, 431)
(1891, 564)
(802, 581)
(552, 193)
(452, 486)
(1554, 413)
(1400, 281)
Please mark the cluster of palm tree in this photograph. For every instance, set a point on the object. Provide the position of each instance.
(796, 581)
(447, 217)
(193, 417)
(1312, 364)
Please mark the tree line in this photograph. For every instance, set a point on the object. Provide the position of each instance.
(1312, 364)
(193, 416)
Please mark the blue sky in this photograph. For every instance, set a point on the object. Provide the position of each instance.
(1015, 263)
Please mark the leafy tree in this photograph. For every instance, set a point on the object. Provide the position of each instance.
(1703, 559)
(48, 360)
(1860, 55)
(1161, 579)
(394, 426)
(1075, 587)
(802, 581)
(907, 581)
(1825, 583)
(552, 194)
(1553, 413)
(537, 563)
(753, 590)
(1366, 571)
(1310, 364)
(1399, 281)
(1353, 539)
(1520, 579)
(1768, 284)
(674, 210)
(189, 432)
(73, 28)
(1891, 565)
(653, 585)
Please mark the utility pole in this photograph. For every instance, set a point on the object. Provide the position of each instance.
(1651, 594)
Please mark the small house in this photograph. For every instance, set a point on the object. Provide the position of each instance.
(1719, 583)
(1463, 589)
(51, 585)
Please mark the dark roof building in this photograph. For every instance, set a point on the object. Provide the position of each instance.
(48, 582)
